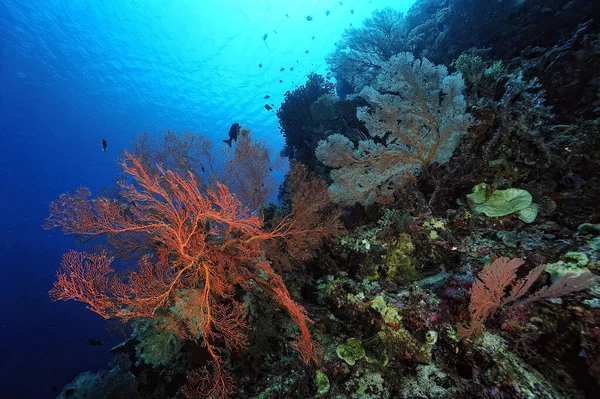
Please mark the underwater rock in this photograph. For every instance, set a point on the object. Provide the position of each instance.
(402, 345)
(428, 382)
(371, 385)
(571, 263)
(115, 383)
(509, 369)
(399, 265)
(390, 314)
(526, 240)
(589, 228)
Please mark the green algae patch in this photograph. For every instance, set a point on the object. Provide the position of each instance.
(322, 383)
(351, 351)
(503, 202)
(390, 314)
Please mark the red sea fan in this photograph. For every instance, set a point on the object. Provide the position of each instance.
(489, 292)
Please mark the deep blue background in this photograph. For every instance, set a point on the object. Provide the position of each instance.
(74, 72)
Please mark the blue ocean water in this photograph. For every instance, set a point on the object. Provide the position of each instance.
(75, 72)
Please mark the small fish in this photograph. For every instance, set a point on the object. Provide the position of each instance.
(95, 342)
(280, 81)
(341, 3)
(268, 107)
(233, 133)
(313, 38)
(291, 68)
(202, 168)
(350, 25)
(306, 51)
(265, 36)
(260, 65)
(104, 145)
(351, 11)
(274, 31)
(267, 97)
(309, 18)
(287, 15)
(327, 13)
(281, 69)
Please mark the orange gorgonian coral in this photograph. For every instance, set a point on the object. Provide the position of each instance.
(204, 245)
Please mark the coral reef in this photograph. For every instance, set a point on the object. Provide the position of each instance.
(467, 177)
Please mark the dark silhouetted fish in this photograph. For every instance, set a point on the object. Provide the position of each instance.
(260, 65)
(265, 36)
(95, 342)
(281, 69)
(280, 81)
(233, 133)
(327, 13)
(268, 107)
(309, 18)
(351, 11)
(103, 145)
(287, 15)
(291, 68)
(267, 97)
(306, 51)
(313, 38)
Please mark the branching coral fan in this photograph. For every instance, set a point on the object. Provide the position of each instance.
(488, 293)
(416, 118)
(246, 169)
(362, 51)
(205, 244)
